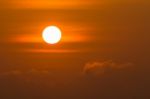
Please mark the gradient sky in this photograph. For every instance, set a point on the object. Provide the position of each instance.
(104, 52)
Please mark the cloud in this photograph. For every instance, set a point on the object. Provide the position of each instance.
(99, 68)
(35, 77)
(13, 72)
(46, 4)
(27, 72)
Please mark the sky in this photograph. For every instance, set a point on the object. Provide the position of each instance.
(103, 54)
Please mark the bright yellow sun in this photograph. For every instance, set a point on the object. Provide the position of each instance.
(51, 34)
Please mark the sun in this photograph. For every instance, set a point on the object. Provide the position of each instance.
(51, 34)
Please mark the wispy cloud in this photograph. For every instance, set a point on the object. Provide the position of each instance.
(63, 4)
(44, 78)
(52, 4)
(99, 68)
(27, 72)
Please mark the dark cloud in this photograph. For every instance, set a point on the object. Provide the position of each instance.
(99, 68)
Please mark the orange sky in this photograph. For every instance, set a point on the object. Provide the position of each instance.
(64, 4)
(50, 4)
(103, 54)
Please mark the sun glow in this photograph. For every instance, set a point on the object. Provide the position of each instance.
(51, 34)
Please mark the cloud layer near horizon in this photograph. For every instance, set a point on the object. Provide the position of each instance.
(98, 68)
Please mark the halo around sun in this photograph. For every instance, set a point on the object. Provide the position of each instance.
(51, 34)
